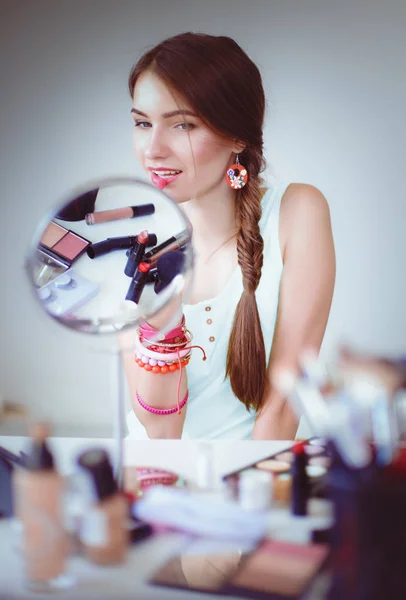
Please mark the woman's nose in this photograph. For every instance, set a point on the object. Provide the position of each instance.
(156, 146)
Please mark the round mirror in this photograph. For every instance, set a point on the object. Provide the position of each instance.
(114, 254)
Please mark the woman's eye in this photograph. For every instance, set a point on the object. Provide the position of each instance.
(185, 126)
(142, 124)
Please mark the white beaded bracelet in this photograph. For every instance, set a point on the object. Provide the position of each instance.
(172, 356)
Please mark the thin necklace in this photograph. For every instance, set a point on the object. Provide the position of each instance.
(219, 248)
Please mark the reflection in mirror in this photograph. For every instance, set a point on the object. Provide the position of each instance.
(110, 256)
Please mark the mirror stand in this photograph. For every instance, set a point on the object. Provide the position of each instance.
(119, 420)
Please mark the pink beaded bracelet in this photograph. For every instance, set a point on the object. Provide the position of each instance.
(149, 332)
(162, 411)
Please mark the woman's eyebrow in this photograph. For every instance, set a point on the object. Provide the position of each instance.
(167, 115)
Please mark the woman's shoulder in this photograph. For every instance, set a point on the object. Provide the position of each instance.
(301, 204)
(287, 205)
(303, 196)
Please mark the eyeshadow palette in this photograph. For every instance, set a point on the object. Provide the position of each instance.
(273, 570)
(280, 463)
(62, 244)
(279, 570)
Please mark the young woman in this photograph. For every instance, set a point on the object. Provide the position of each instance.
(265, 261)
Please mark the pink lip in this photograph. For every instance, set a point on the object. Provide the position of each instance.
(162, 169)
(160, 182)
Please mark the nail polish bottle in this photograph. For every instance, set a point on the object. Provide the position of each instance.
(300, 480)
(38, 504)
(104, 531)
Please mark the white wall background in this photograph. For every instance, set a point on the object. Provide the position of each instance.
(336, 86)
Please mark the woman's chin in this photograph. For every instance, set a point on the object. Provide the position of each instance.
(175, 196)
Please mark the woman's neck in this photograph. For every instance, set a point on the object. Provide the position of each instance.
(213, 218)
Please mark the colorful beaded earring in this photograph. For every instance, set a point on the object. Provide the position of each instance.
(237, 175)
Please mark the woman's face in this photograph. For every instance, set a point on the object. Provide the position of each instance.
(174, 145)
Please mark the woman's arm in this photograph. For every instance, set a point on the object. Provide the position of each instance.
(156, 390)
(305, 298)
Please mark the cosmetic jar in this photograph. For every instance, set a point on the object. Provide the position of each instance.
(255, 490)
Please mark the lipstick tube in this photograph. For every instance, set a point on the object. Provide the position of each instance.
(138, 282)
(117, 243)
(136, 253)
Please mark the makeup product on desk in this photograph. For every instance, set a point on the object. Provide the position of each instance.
(280, 466)
(104, 528)
(270, 571)
(77, 209)
(369, 530)
(61, 244)
(8, 462)
(300, 481)
(117, 243)
(255, 490)
(139, 479)
(279, 570)
(138, 282)
(67, 292)
(116, 214)
(205, 565)
(38, 494)
(173, 243)
(139, 530)
(204, 469)
(152, 276)
(136, 253)
(6, 495)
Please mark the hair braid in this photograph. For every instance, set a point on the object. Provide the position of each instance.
(246, 360)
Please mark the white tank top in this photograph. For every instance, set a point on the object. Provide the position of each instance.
(213, 411)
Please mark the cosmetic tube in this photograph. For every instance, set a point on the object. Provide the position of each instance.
(138, 282)
(173, 243)
(117, 243)
(104, 531)
(116, 214)
(38, 494)
(300, 480)
(136, 253)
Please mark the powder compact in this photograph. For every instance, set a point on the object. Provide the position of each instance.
(62, 244)
(57, 250)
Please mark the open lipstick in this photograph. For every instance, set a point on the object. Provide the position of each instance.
(116, 214)
(136, 253)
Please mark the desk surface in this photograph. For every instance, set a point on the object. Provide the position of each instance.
(129, 580)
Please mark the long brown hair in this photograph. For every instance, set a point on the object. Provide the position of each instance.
(224, 87)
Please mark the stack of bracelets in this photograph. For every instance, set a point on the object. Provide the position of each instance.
(171, 353)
